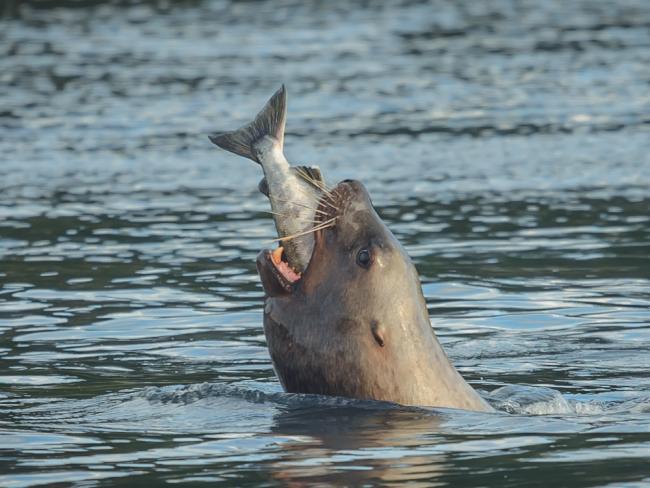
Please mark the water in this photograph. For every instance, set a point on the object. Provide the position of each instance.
(506, 144)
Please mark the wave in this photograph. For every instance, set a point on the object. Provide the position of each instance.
(535, 400)
(511, 399)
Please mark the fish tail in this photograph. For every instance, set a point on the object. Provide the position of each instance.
(269, 122)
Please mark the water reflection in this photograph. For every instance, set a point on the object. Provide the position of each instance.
(358, 446)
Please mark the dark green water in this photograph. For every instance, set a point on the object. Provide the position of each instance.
(506, 144)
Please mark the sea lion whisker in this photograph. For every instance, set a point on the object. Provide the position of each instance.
(328, 203)
(335, 191)
(326, 198)
(323, 186)
(307, 177)
(300, 234)
(326, 195)
(308, 195)
(298, 204)
(331, 196)
(319, 184)
(324, 225)
(304, 219)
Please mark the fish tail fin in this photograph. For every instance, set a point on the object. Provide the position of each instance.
(269, 122)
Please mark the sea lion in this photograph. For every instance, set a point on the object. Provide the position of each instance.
(356, 323)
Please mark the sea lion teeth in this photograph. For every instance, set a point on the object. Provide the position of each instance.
(277, 257)
(287, 272)
(273, 279)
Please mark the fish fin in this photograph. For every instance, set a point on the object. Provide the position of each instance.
(269, 122)
(263, 187)
(311, 174)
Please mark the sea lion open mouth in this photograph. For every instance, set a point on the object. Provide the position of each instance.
(277, 274)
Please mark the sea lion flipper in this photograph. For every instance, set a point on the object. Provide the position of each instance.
(269, 122)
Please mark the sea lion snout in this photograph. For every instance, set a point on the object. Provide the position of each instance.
(339, 199)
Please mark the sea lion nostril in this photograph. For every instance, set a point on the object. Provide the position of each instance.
(377, 332)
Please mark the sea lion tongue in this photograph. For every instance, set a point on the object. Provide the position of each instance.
(356, 323)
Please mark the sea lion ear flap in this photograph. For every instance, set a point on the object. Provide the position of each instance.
(311, 174)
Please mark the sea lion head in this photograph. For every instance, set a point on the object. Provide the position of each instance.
(351, 244)
(355, 323)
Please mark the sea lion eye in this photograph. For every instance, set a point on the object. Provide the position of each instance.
(363, 258)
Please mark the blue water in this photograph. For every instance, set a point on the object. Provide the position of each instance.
(506, 144)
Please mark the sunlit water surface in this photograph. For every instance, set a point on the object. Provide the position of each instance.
(505, 144)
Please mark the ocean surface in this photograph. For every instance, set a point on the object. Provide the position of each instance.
(505, 143)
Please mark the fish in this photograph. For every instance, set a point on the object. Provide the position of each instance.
(293, 191)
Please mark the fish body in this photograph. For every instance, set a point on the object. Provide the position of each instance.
(293, 192)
